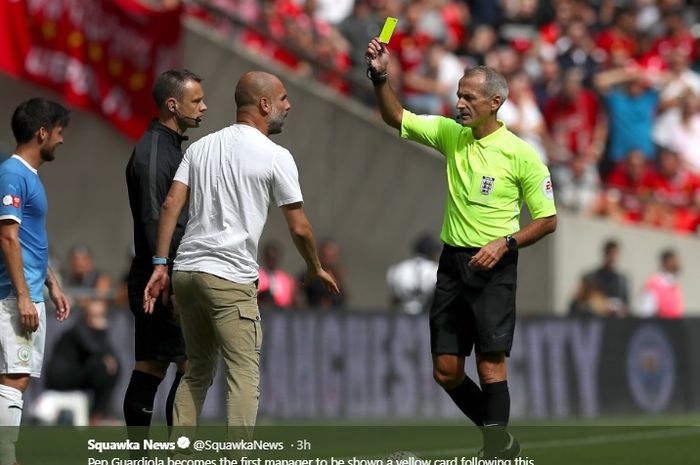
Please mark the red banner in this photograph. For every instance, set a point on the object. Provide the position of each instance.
(101, 55)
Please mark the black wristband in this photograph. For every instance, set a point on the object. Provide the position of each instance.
(376, 78)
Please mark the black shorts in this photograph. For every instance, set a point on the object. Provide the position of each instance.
(157, 336)
(473, 308)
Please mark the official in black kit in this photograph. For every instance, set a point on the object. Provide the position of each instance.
(179, 97)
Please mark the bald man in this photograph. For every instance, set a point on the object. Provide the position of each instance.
(231, 178)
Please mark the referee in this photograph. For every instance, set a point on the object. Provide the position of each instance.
(490, 171)
(179, 97)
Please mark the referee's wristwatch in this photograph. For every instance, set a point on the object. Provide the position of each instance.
(511, 243)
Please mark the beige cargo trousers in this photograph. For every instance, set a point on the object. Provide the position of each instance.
(219, 316)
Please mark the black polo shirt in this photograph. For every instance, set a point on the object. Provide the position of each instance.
(149, 175)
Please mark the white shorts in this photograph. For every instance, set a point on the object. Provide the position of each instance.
(20, 350)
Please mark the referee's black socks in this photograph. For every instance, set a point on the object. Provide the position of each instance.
(138, 407)
(138, 400)
(470, 400)
(496, 414)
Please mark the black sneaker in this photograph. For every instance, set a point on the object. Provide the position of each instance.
(509, 452)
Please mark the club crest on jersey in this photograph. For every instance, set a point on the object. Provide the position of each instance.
(487, 183)
(13, 200)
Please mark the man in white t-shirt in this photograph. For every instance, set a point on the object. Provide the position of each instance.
(231, 178)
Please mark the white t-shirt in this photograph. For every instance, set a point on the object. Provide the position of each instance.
(333, 11)
(234, 175)
(687, 80)
(528, 115)
(669, 131)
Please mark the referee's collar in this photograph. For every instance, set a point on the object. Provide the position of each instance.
(163, 129)
(487, 140)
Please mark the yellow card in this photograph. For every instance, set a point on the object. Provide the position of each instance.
(388, 29)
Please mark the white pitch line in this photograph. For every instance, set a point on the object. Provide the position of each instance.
(571, 442)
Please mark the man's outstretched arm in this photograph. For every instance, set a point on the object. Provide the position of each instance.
(377, 57)
(303, 237)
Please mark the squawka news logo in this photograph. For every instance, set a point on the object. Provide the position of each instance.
(147, 444)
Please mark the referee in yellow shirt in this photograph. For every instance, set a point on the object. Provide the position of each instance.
(490, 171)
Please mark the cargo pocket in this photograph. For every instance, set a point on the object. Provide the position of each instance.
(249, 311)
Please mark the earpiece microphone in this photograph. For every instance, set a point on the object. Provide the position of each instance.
(177, 113)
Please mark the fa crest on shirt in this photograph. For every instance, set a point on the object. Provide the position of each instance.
(487, 185)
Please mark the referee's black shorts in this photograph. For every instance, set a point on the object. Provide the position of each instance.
(157, 336)
(473, 308)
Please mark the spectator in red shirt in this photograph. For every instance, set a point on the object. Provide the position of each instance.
(423, 93)
(273, 19)
(324, 43)
(678, 191)
(618, 42)
(276, 287)
(565, 13)
(455, 15)
(662, 296)
(575, 121)
(634, 174)
(630, 186)
(677, 37)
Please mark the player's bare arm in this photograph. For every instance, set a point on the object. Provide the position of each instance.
(303, 237)
(59, 299)
(12, 254)
(491, 253)
(377, 58)
(169, 212)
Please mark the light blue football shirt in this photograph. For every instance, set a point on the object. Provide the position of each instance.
(23, 199)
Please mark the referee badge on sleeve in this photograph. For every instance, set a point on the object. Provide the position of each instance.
(547, 189)
(487, 185)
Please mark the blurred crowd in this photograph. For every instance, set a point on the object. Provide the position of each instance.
(87, 285)
(84, 359)
(410, 283)
(607, 91)
(605, 292)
